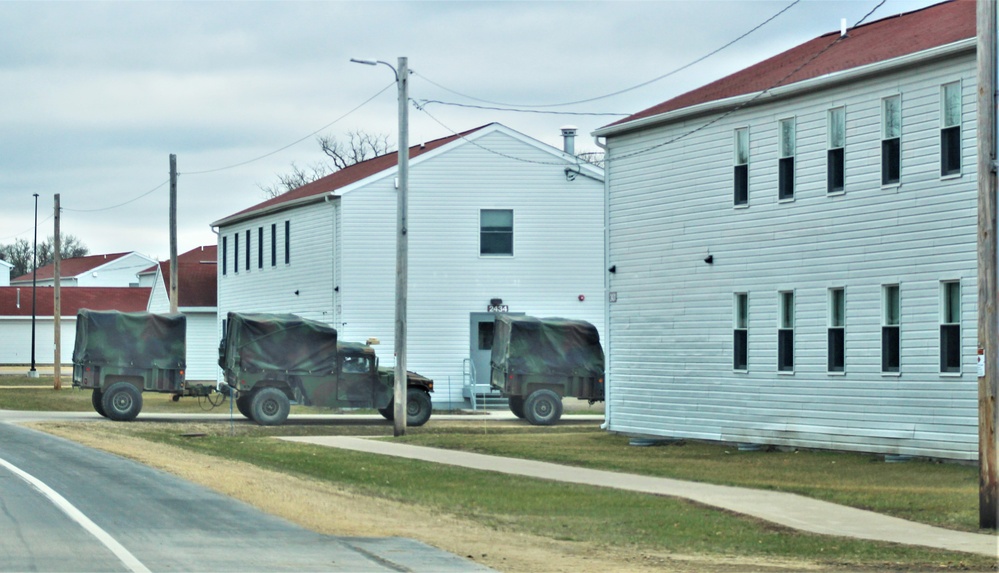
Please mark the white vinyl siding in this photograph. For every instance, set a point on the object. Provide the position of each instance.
(670, 332)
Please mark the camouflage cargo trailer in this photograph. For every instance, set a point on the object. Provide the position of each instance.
(536, 362)
(272, 360)
(121, 354)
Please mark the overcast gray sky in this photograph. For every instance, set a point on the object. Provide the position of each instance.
(95, 96)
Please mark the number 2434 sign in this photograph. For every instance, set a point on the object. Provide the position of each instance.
(498, 308)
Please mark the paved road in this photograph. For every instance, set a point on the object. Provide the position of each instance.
(65, 507)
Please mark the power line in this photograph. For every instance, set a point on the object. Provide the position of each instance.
(28, 230)
(132, 200)
(293, 143)
(619, 92)
(776, 84)
(472, 106)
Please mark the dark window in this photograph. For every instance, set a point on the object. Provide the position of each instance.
(836, 350)
(225, 249)
(235, 252)
(287, 242)
(740, 333)
(950, 151)
(496, 232)
(890, 349)
(834, 170)
(786, 178)
(273, 244)
(891, 161)
(741, 185)
(950, 327)
(260, 247)
(486, 330)
(785, 333)
(247, 249)
(890, 331)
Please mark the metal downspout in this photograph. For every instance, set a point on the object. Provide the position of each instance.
(607, 286)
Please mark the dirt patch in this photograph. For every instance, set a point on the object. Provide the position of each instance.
(327, 509)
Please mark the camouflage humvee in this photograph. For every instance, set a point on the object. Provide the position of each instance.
(271, 360)
(535, 362)
(121, 354)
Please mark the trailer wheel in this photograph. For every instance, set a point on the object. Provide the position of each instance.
(269, 407)
(243, 405)
(418, 407)
(122, 402)
(95, 399)
(388, 412)
(543, 407)
(517, 406)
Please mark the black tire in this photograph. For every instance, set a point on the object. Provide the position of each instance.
(243, 405)
(388, 412)
(122, 402)
(418, 407)
(95, 399)
(517, 406)
(543, 407)
(269, 407)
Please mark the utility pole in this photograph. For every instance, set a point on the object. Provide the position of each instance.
(33, 373)
(988, 328)
(173, 233)
(402, 250)
(57, 301)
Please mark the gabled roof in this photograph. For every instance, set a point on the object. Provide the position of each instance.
(196, 274)
(875, 42)
(126, 299)
(72, 267)
(344, 177)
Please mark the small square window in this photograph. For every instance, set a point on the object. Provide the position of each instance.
(496, 232)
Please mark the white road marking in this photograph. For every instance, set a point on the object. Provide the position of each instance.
(76, 515)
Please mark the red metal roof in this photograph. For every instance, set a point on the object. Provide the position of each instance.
(352, 174)
(197, 277)
(72, 267)
(126, 299)
(881, 40)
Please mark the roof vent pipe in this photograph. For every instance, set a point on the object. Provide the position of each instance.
(569, 139)
(842, 27)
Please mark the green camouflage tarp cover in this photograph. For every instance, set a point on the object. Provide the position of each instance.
(528, 345)
(130, 339)
(282, 342)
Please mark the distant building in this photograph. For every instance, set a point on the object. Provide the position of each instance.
(5, 269)
(109, 270)
(792, 248)
(498, 222)
(197, 298)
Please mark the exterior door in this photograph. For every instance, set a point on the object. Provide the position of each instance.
(480, 352)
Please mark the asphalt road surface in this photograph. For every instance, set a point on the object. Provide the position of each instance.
(66, 507)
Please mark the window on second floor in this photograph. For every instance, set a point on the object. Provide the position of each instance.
(891, 140)
(741, 162)
(836, 151)
(786, 162)
(950, 129)
(496, 232)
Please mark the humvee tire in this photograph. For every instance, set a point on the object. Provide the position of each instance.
(517, 406)
(243, 405)
(269, 407)
(122, 402)
(95, 399)
(418, 408)
(543, 407)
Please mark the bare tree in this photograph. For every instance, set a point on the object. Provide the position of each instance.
(20, 253)
(359, 146)
(592, 157)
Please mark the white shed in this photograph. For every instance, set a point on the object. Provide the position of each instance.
(498, 221)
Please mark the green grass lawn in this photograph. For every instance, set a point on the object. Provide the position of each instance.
(560, 511)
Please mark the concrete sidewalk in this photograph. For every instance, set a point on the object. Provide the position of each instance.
(790, 510)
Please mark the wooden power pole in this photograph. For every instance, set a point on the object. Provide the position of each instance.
(173, 233)
(57, 301)
(988, 328)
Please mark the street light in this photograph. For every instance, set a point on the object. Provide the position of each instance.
(34, 294)
(402, 241)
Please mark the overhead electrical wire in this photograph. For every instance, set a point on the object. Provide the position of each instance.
(26, 230)
(472, 106)
(760, 94)
(619, 92)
